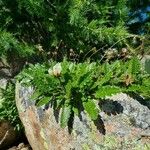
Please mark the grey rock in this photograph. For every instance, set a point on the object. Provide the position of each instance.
(3, 83)
(44, 132)
(133, 109)
(21, 145)
(5, 73)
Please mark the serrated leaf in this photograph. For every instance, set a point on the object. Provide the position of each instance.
(35, 95)
(91, 109)
(104, 91)
(75, 110)
(103, 80)
(146, 81)
(134, 66)
(140, 89)
(68, 89)
(43, 101)
(65, 115)
(106, 78)
(133, 88)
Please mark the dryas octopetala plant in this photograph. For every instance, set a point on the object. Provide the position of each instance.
(75, 87)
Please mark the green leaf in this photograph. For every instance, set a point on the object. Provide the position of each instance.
(104, 91)
(137, 87)
(75, 110)
(43, 101)
(65, 115)
(91, 109)
(103, 80)
(35, 95)
(140, 89)
(106, 78)
(133, 88)
(134, 66)
(146, 81)
(68, 89)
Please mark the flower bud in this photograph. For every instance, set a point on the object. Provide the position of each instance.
(57, 69)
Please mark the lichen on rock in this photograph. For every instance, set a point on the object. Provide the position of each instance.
(44, 132)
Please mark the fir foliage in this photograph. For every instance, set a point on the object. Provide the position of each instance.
(62, 25)
(9, 44)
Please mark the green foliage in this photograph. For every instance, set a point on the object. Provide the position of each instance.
(91, 109)
(13, 53)
(76, 87)
(8, 109)
(77, 29)
(59, 26)
(68, 89)
(65, 115)
(133, 66)
(107, 91)
(9, 44)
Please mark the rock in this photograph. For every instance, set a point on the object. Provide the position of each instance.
(3, 83)
(13, 148)
(121, 116)
(21, 145)
(11, 66)
(7, 134)
(139, 114)
(5, 73)
(25, 148)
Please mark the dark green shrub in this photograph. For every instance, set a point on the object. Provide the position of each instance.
(61, 26)
(9, 44)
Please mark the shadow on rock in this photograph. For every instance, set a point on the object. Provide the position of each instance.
(100, 125)
(140, 99)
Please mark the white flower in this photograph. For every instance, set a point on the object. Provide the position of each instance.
(56, 71)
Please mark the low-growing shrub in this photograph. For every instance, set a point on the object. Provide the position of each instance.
(76, 87)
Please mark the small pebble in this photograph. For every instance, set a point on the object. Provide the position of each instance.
(21, 145)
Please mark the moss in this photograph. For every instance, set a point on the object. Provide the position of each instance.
(86, 147)
(44, 139)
